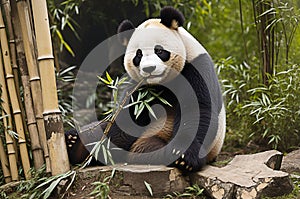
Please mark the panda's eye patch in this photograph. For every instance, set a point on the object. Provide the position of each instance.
(163, 54)
(138, 57)
(139, 53)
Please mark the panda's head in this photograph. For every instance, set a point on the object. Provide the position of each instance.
(155, 51)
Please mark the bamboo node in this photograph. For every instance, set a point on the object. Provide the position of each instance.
(2, 26)
(37, 78)
(16, 111)
(11, 152)
(45, 57)
(21, 141)
(8, 76)
(31, 123)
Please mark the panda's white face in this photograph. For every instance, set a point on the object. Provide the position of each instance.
(155, 54)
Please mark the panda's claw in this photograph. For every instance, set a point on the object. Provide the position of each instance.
(178, 152)
(176, 162)
(173, 151)
(182, 156)
(182, 163)
(70, 145)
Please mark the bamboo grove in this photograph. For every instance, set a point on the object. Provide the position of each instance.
(31, 124)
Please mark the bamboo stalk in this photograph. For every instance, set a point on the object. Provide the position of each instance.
(6, 7)
(4, 163)
(37, 151)
(52, 115)
(31, 122)
(7, 122)
(14, 99)
(22, 26)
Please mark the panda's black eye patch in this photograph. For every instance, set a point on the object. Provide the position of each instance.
(138, 57)
(163, 54)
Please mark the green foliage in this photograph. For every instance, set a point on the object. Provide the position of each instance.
(268, 114)
(65, 80)
(191, 192)
(102, 189)
(61, 16)
(40, 185)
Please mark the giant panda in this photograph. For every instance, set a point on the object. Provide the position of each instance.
(187, 132)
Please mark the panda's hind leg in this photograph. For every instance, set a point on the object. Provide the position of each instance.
(149, 144)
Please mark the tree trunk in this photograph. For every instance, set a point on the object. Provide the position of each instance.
(22, 26)
(52, 115)
(14, 99)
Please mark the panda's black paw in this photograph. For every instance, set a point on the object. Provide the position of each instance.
(71, 137)
(189, 161)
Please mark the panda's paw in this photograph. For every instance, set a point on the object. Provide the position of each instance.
(189, 162)
(71, 137)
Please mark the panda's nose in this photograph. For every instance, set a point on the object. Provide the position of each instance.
(149, 69)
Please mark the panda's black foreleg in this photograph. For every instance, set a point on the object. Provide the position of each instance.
(76, 150)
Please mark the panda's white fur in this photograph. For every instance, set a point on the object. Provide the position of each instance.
(179, 42)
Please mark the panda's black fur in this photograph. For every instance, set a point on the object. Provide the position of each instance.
(187, 159)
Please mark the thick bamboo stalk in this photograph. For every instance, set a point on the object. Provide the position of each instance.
(9, 28)
(22, 26)
(4, 163)
(31, 122)
(52, 115)
(14, 99)
(7, 122)
(37, 152)
(13, 55)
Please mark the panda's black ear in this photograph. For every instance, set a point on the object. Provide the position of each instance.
(126, 29)
(171, 17)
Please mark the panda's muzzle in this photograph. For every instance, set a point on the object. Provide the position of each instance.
(149, 69)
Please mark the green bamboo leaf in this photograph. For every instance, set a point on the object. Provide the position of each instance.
(140, 110)
(108, 77)
(104, 154)
(104, 80)
(69, 49)
(148, 186)
(150, 110)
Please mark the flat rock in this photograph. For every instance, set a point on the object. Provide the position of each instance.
(291, 162)
(246, 177)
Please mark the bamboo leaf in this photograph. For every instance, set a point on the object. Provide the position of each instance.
(104, 153)
(148, 186)
(150, 110)
(140, 110)
(108, 77)
(104, 80)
